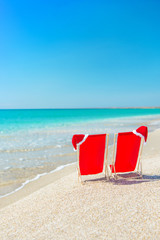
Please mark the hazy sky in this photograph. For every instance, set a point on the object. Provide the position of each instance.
(79, 53)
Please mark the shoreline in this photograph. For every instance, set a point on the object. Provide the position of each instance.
(36, 183)
(23, 184)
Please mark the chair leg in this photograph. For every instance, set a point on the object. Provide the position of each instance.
(79, 177)
(115, 176)
(107, 177)
(107, 173)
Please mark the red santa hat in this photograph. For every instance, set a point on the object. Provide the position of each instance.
(78, 139)
(142, 132)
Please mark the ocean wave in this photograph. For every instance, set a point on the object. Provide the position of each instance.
(34, 149)
(37, 177)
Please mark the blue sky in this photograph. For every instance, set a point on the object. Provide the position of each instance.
(71, 54)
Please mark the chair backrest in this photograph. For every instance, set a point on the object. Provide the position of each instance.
(128, 146)
(92, 154)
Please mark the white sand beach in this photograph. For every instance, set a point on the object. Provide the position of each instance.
(57, 206)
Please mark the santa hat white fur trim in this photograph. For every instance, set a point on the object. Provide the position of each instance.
(139, 134)
(84, 139)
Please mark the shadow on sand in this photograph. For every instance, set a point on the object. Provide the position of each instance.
(125, 180)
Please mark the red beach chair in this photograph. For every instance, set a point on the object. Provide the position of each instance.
(91, 153)
(128, 152)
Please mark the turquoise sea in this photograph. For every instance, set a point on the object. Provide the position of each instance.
(39, 141)
(15, 120)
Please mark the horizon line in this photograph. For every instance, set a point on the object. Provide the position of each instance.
(153, 107)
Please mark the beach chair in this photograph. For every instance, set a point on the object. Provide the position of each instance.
(91, 154)
(127, 160)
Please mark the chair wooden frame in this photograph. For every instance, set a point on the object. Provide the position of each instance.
(138, 168)
(105, 168)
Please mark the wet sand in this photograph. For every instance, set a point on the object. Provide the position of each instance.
(57, 206)
(37, 184)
